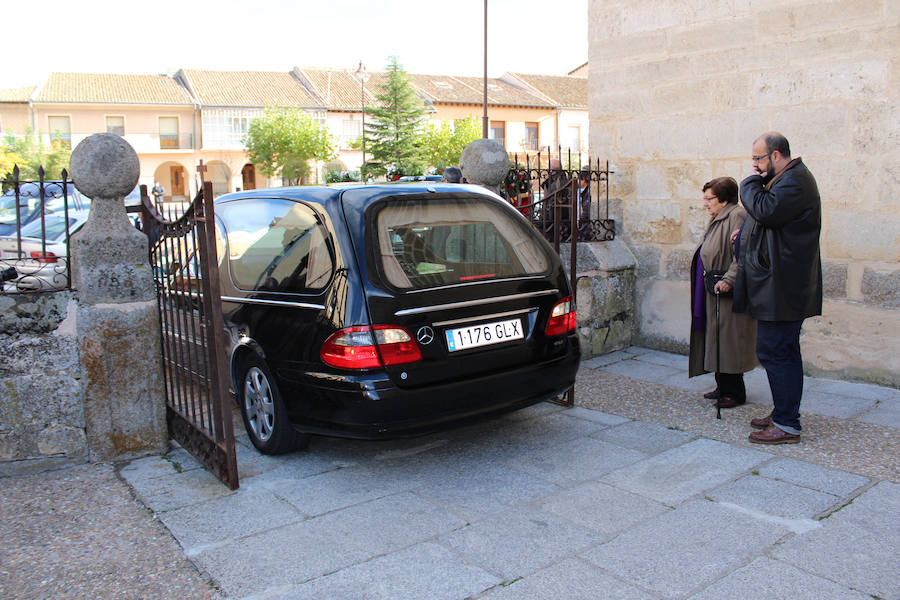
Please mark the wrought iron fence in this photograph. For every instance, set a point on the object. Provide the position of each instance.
(542, 184)
(36, 219)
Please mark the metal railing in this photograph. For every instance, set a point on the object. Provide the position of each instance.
(540, 188)
(36, 219)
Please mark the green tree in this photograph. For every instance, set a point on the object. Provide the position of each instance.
(29, 153)
(444, 143)
(284, 140)
(394, 135)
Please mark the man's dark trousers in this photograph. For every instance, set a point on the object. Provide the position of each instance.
(778, 349)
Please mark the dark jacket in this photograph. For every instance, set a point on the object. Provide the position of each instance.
(779, 274)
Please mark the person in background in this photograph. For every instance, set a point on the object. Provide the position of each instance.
(157, 192)
(557, 190)
(452, 175)
(584, 203)
(779, 280)
(736, 335)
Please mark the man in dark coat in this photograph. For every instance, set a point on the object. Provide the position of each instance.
(557, 192)
(779, 279)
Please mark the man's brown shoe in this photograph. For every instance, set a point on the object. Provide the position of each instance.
(762, 423)
(713, 395)
(729, 402)
(773, 435)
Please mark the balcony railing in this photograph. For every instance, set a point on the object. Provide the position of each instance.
(184, 141)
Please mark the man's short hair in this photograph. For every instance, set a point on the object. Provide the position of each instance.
(452, 175)
(775, 141)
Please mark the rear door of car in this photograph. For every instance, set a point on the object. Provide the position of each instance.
(465, 275)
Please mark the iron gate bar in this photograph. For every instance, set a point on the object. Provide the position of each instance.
(198, 404)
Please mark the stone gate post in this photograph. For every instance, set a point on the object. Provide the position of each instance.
(117, 319)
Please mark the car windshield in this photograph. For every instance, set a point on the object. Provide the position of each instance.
(433, 243)
(54, 227)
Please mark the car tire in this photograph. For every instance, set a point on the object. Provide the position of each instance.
(265, 417)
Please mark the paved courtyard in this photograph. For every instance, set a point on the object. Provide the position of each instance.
(637, 493)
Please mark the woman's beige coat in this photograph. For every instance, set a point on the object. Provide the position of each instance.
(737, 331)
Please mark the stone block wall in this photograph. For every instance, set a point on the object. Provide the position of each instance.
(42, 420)
(678, 91)
(605, 275)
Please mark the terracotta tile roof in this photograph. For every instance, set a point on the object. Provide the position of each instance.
(470, 90)
(16, 94)
(247, 88)
(338, 89)
(112, 88)
(561, 90)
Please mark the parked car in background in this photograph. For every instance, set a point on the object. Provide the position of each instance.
(40, 255)
(410, 178)
(387, 310)
(32, 201)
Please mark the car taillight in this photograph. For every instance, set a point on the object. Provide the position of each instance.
(562, 318)
(364, 347)
(44, 257)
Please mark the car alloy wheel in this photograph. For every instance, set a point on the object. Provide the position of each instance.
(259, 404)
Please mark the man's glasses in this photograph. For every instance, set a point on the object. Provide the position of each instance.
(710, 198)
(756, 159)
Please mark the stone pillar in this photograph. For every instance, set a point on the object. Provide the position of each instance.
(486, 163)
(605, 295)
(117, 321)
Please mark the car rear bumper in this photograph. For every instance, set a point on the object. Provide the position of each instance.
(391, 412)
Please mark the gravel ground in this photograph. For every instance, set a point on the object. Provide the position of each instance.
(863, 448)
(79, 533)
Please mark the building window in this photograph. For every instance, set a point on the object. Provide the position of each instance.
(531, 136)
(60, 132)
(168, 132)
(350, 133)
(115, 125)
(575, 137)
(498, 132)
(225, 129)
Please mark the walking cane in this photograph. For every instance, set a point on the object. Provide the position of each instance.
(718, 354)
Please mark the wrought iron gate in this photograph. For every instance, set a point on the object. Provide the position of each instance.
(185, 267)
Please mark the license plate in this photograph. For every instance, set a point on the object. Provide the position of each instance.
(485, 334)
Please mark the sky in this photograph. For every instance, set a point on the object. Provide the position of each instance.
(442, 38)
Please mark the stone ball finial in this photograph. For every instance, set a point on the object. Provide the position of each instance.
(104, 165)
(484, 162)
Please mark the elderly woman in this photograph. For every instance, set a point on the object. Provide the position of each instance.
(714, 260)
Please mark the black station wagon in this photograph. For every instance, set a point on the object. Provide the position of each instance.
(381, 311)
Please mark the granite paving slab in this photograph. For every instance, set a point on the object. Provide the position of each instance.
(857, 545)
(426, 570)
(177, 489)
(491, 488)
(677, 474)
(767, 578)
(834, 405)
(602, 508)
(228, 517)
(813, 476)
(570, 579)
(519, 541)
(666, 359)
(603, 360)
(686, 549)
(641, 370)
(649, 438)
(577, 461)
(773, 497)
(885, 412)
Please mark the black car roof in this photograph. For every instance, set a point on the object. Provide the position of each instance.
(324, 195)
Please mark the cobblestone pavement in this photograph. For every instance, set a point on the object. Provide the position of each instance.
(638, 492)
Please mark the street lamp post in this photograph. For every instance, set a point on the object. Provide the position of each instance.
(363, 77)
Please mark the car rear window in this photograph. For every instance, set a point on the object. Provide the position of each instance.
(446, 241)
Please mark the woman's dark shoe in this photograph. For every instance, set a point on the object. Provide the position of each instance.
(728, 402)
(713, 395)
